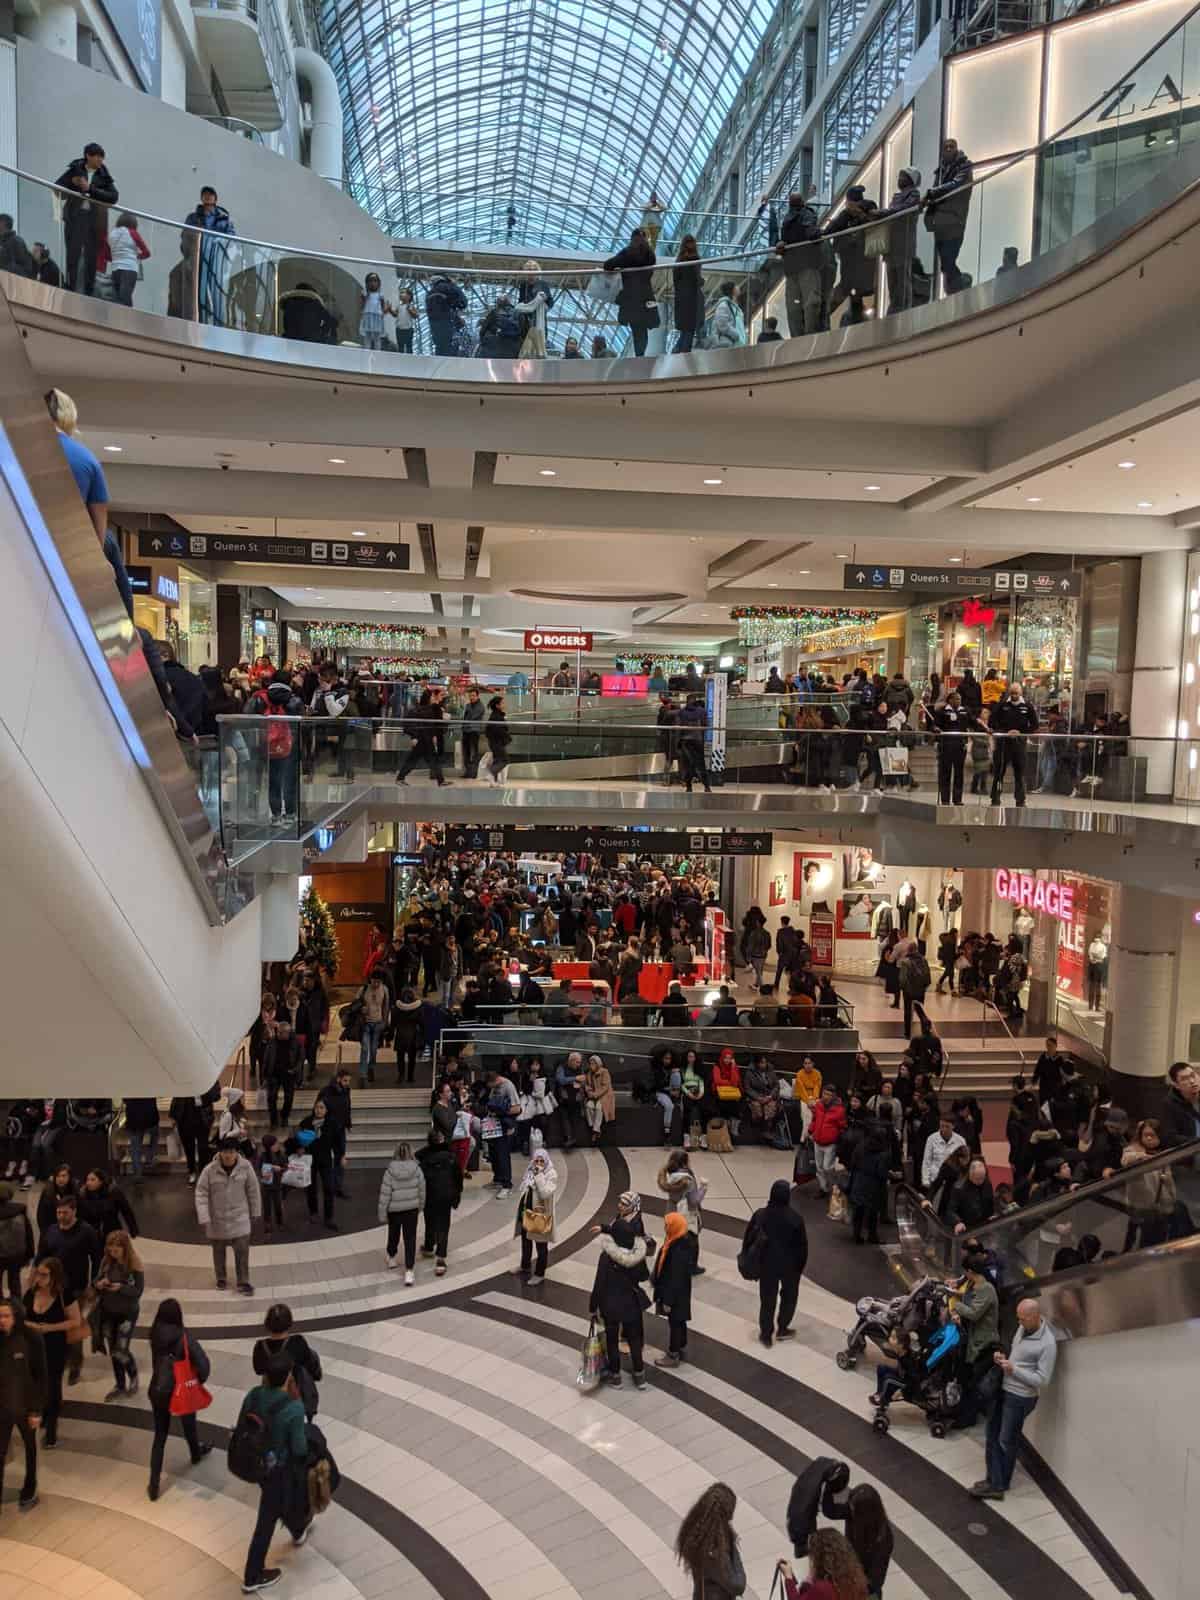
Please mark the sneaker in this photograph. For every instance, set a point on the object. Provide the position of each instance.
(765, 1340)
(202, 1450)
(403, 782)
(133, 1383)
(191, 1178)
(640, 1381)
(503, 1194)
(270, 1577)
(669, 1360)
(10, 1169)
(332, 1226)
(115, 1392)
(301, 1537)
(408, 1278)
(222, 1283)
(440, 1270)
(612, 1380)
(392, 1261)
(245, 1288)
(426, 1252)
(28, 1499)
(785, 1333)
(983, 1490)
(535, 1280)
(27, 1182)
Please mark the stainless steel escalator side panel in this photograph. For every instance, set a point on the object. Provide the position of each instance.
(61, 530)
(1150, 1288)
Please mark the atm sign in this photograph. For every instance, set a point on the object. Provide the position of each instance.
(548, 639)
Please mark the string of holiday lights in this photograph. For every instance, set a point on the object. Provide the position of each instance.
(830, 627)
(387, 636)
(667, 664)
(408, 667)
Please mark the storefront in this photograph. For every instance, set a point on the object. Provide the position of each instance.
(1030, 639)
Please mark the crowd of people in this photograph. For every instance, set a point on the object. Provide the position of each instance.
(709, 304)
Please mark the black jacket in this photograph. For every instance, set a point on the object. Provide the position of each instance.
(305, 316)
(22, 1372)
(786, 1254)
(804, 1503)
(971, 1204)
(78, 1250)
(798, 227)
(141, 1115)
(443, 1177)
(283, 1060)
(166, 1348)
(1013, 717)
(497, 732)
(15, 1211)
(617, 1293)
(106, 1210)
(100, 186)
(48, 1203)
(635, 303)
(1179, 1120)
(14, 255)
(688, 282)
(673, 1286)
(330, 1141)
(337, 1103)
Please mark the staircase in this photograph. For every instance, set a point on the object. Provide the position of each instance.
(987, 1074)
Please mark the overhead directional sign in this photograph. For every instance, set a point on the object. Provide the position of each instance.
(355, 554)
(625, 841)
(867, 577)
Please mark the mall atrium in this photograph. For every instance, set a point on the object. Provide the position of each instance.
(671, 961)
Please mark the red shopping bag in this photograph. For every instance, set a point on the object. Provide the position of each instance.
(189, 1395)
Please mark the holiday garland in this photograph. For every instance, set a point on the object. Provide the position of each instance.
(832, 627)
(387, 636)
(672, 666)
(408, 667)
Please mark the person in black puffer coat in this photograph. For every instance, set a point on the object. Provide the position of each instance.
(443, 1191)
(619, 1299)
(168, 1342)
(783, 1262)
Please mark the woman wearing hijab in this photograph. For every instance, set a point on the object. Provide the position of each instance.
(672, 1280)
(619, 1300)
(536, 1196)
(783, 1261)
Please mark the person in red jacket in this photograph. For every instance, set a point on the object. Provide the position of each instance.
(727, 1090)
(828, 1125)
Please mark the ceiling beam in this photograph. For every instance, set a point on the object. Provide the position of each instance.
(320, 497)
(285, 577)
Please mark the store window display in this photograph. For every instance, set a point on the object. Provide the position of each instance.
(1097, 972)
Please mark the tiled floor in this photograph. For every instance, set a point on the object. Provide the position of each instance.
(473, 1466)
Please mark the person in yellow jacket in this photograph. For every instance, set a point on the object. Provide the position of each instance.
(993, 687)
(806, 1089)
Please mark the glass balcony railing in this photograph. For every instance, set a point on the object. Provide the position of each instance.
(873, 271)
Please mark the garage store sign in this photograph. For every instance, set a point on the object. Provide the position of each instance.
(1038, 894)
(556, 639)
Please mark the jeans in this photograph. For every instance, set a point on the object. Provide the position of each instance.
(281, 785)
(372, 341)
(803, 291)
(123, 282)
(275, 1087)
(403, 1222)
(117, 1331)
(824, 1161)
(404, 341)
(783, 1287)
(241, 1258)
(29, 1440)
(193, 1136)
(911, 1004)
(691, 764)
(142, 1143)
(757, 963)
(322, 1176)
(634, 1334)
(947, 255)
(501, 1161)
(81, 245)
(162, 1427)
(668, 1111)
(272, 1204)
(368, 1050)
(685, 341)
(408, 1044)
(1004, 1430)
(527, 1249)
(442, 334)
(283, 1497)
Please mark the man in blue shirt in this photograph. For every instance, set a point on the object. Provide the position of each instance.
(93, 490)
(284, 1492)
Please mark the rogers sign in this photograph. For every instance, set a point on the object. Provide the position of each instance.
(550, 639)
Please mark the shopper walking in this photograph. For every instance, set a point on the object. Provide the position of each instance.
(377, 1006)
(141, 1125)
(228, 1203)
(706, 1546)
(16, 1240)
(170, 1343)
(1028, 1369)
(620, 1301)
(283, 1493)
(687, 283)
(52, 1312)
(119, 1284)
(783, 1247)
(77, 1246)
(401, 1197)
(22, 1394)
(827, 1127)
(279, 1340)
(472, 719)
(535, 1220)
(443, 1191)
(671, 1277)
(692, 763)
(327, 1142)
(636, 308)
(425, 726)
(498, 736)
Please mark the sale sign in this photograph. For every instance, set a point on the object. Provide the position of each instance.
(820, 937)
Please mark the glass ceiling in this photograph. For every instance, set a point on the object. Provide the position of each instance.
(543, 122)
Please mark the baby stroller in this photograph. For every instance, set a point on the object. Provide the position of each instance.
(930, 1377)
(918, 1311)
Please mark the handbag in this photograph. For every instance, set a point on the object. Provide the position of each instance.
(726, 1091)
(298, 1174)
(605, 287)
(876, 242)
(536, 1222)
(189, 1395)
(591, 1361)
(719, 1140)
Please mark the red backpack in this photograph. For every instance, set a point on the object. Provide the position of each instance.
(279, 739)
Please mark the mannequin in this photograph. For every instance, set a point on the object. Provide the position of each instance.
(906, 903)
(949, 904)
(922, 926)
(1023, 926)
(1097, 973)
(882, 920)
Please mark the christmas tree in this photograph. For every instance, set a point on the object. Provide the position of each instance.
(317, 930)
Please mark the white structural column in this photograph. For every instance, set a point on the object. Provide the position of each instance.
(1162, 606)
(1143, 959)
(325, 148)
(56, 27)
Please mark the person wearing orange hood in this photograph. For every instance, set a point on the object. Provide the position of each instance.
(727, 1090)
(671, 1278)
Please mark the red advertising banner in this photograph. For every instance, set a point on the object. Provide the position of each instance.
(1090, 914)
(821, 938)
(557, 639)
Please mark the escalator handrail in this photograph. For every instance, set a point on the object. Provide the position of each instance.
(1041, 1210)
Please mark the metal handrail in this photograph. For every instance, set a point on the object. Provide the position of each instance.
(986, 1002)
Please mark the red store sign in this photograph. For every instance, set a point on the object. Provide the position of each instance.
(551, 639)
(1038, 894)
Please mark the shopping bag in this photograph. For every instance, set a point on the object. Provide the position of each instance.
(837, 1204)
(189, 1395)
(805, 1164)
(604, 286)
(893, 760)
(298, 1174)
(591, 1363)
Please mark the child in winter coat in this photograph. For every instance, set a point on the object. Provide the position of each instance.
(671, 1277)
(270, 1163)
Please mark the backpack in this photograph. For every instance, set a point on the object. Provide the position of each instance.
(914, 973)
(753, 1253)
(12, 1238)
(509, 325)
(250, 1456)
(437, 302)
(279, 737)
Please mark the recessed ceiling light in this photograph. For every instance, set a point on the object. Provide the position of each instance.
(1144, 505)
(713, 482)
(1034, 499)
(805, 572)
(1126, 466)
(772, 586)
(359, 533)
(548, 472)
(872, 488)
(842, 555)
(337, 461)
(954, 560)
(114, 449)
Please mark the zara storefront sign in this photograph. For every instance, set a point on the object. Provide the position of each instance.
(557, 639)
(1038, 894)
